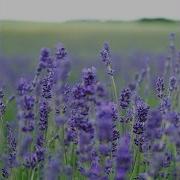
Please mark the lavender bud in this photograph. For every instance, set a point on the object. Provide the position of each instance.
(172, 83)
(89, 76)
(30, 160)
(61, 52)
(123, 158)
(142, 110)
(105, 122)
(43, 120)
(2, 108)
(106, 55)
(23, 87)
(160, 87)
(125, 98)
(53, 169)
(45, 60)
(1, 93)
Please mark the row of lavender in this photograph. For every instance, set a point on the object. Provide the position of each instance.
(88, 131)
(11, 67)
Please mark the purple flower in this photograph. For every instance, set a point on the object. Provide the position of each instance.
(60, 121)
(53, 168)
(115, 138)
(84, 151)
(78, 91)
(142, 142)
(28, 117)
(161, 158)
(123, 158)
(30, 160)
(5, 172)
(172, 128)
(95, 169)
(104, 149)
(100, 90)
(125, 98)
(105, 54)
(165, 105)
(153, 126)
(2, 108)
(10, 161)
(174, 118)
(10, 156)
(105, 122)
(45, 59)
(106, 58)
(166, 159)
(25, 145)
(23, 87)
(89, 81)
(39, 147)
(28, 124)
(142, 110)
(40, 153)
(47, 84)
(154, 120)
(61, 52)
(172, 83)
(28, 102)
(11, 145)
(138, 128)
(1, 93)
(43, 119)
(160, 87)
(89, 76)
(84, 141)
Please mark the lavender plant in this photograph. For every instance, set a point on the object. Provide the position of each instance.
(79, 131)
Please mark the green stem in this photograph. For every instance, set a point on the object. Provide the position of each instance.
(32, 174)
(136, 165)
(65, 156)
(73, 159)
(174, 156)
(132, 125)
(114, 89)
(116, 98)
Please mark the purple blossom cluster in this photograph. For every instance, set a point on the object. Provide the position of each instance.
(2, 105)
(65, 130)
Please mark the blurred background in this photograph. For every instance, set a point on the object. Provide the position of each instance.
(136, 31)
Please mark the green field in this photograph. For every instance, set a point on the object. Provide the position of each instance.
(84, 39)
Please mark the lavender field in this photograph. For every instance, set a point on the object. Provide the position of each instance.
(90, 100)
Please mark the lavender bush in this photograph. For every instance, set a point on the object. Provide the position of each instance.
(88, 130)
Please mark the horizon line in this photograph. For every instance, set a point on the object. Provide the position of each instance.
(98, 20)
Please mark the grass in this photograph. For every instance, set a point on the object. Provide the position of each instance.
(84, 38)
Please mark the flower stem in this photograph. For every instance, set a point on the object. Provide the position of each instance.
(136, 164)
(32, 174)
(114, 89)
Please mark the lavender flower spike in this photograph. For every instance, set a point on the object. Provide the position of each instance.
(123, 158)
(125, 98)
(160, 87)
(105, 54)
(172, 83)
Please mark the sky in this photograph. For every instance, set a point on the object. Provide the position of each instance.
(63, 10)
